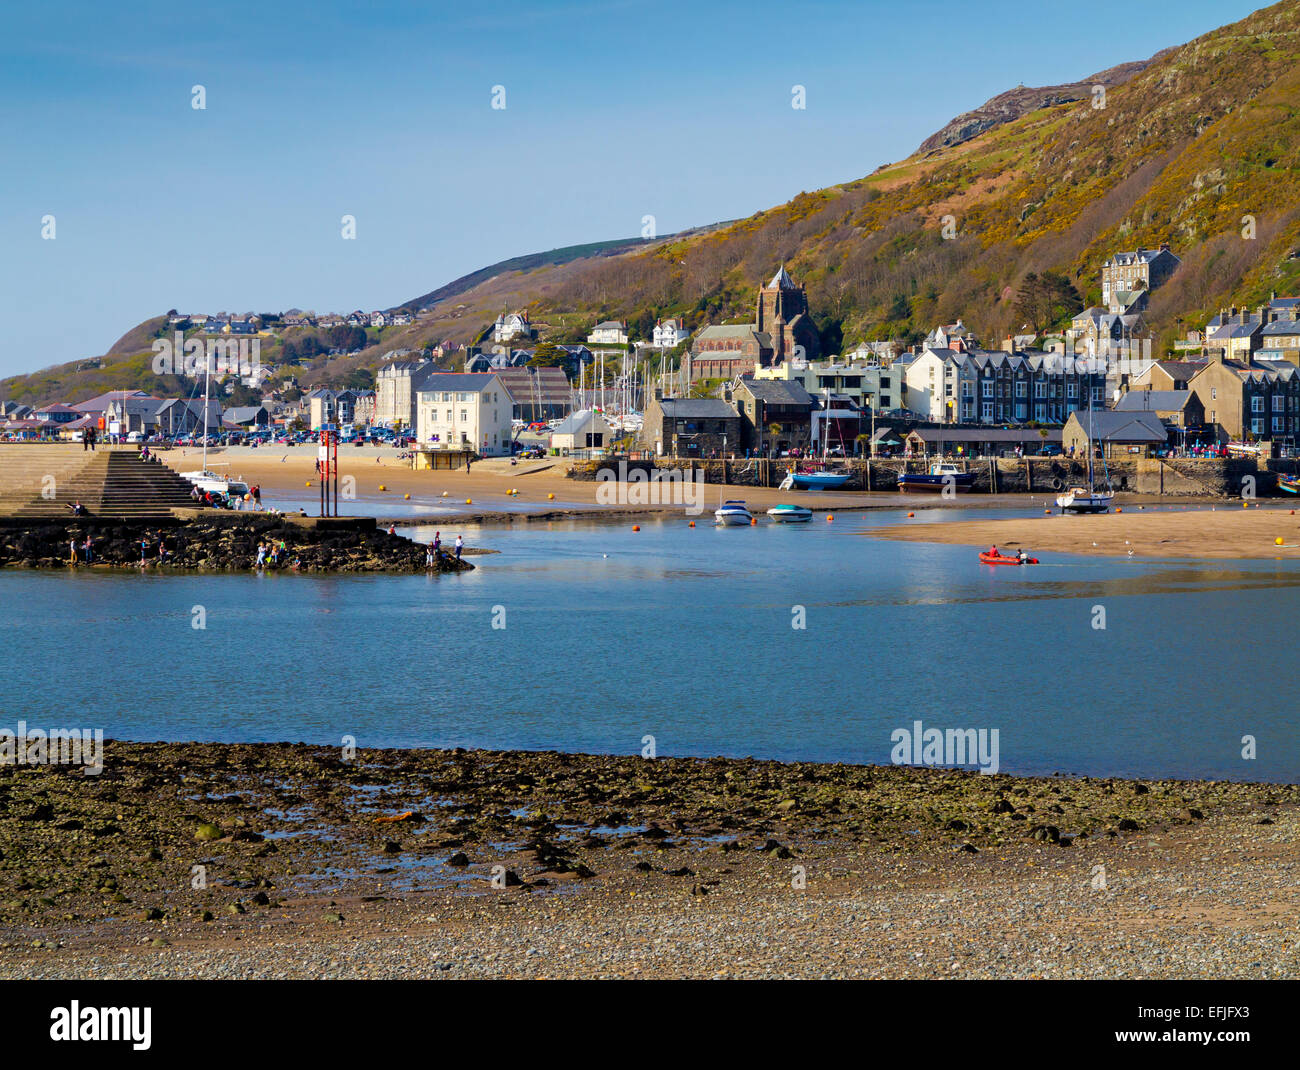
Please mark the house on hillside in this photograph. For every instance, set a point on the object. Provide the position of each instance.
(609, 332)
(1127, 277)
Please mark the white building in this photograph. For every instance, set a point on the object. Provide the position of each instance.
(869, 384)
(511, 325)
(460, 411)
(582, 430)
(610, 332)
(670, 333)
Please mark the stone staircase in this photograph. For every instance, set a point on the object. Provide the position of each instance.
(44, 480)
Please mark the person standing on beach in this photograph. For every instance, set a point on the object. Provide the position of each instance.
(257, 497)
(467, 464)
(460, 545)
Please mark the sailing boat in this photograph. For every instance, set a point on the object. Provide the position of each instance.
(1087, 499)
(818, 478)
(206, 479)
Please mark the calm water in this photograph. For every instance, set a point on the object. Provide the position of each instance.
(685, 634)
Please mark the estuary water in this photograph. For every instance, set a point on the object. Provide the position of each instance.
(586, 636)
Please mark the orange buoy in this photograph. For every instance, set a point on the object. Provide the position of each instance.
(911, 514)
(406, 497)
(692, 524)
(550, 497)
(1119, 510)
(829, 518)
(636, 527)
(1047, 512)
(753, 521)
(382, 487)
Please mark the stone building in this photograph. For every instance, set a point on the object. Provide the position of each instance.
(782, 330)
(691, 427)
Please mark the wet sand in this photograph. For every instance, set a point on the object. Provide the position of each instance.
(381, 865)
(1223, 531)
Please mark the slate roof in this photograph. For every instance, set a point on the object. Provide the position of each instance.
(1122, 426)
(698, 409)
(1153, 401)
(459, 381)
(777, 391)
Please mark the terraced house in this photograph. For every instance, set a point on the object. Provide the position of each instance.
(994, 387)
(1250, 400)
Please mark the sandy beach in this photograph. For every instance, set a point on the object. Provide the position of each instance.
(288, 480)
(1200, 531)
(382, 866)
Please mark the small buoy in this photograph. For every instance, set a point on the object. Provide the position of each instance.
(444, 494)
(309, 483)
(550, 497)
(911, 514)
(1119, 510)
(753, 521)
(829, 518)
(692, 523)
(1245, 505)
(1047, 512)
(1277, 541)
(248, 497)
(406, 497)
(469, 501)
(382, 487)
(636, 527)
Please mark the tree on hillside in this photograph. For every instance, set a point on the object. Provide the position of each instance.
(549, 355)
(1045, 300)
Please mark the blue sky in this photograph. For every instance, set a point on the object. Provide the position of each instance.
(614, 110)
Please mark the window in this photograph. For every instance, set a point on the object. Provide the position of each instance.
(986, 411)
(1257, 426)
(1257, 404)
(1214, 393)
(988, 389)
(1279, 403)
(1040, 390)
(1020, 389)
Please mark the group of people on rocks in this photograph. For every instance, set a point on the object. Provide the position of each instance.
(273, 555)
(435, 548)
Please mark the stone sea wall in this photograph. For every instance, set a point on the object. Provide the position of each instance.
(1226, 477)
(217, 542)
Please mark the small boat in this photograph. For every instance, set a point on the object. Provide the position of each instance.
(1083, 500)
(790, 514)
(942, 475)
(1290, 484)
(810, 480)
(209, 481)
(988, 558)
(733, 514)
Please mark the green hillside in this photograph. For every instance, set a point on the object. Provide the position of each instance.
(1198, 148)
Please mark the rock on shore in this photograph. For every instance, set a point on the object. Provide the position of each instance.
(223, 543)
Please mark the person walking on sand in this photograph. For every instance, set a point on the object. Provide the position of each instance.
(467, 464)
(460, 545)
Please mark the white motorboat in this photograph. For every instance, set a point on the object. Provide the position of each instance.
(733, 514)
(790, 514)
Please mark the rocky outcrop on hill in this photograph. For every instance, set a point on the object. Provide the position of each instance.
(1011, 105)
(217, 544)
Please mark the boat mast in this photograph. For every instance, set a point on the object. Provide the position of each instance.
(207, 382)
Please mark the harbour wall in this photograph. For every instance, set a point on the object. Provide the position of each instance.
(1175, 477)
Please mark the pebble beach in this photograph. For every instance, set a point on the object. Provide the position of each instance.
(479, 864)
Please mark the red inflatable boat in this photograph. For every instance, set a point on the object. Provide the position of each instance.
(1004, 559)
